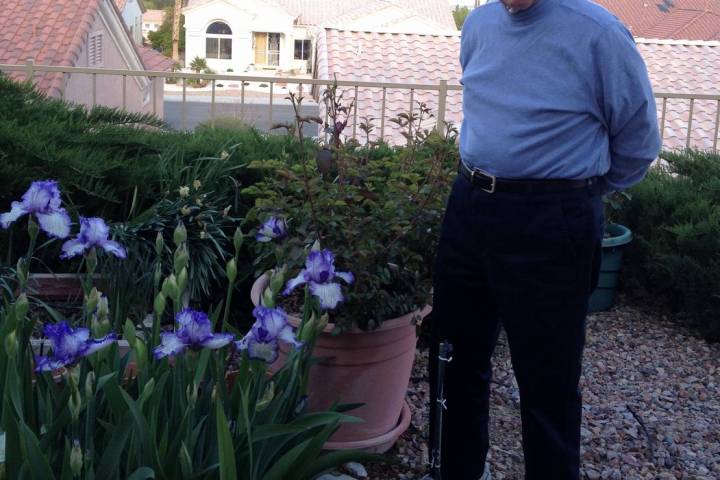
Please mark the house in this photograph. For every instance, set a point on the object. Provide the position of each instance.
(151, 21)
(75, 33)
(132, 13)
(278, 35)
(668, 19)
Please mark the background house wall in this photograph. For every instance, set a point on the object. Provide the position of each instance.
(132, 16)
(253, 16)
(78, 87)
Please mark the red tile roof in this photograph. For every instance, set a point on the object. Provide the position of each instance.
(153, 16)
(417, 59)
(52, 32)
(154, 60)
(685, 67)
(684, 20)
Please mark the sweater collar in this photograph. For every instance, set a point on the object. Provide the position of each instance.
(537, 10)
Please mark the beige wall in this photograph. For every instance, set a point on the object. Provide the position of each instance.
(138, 97)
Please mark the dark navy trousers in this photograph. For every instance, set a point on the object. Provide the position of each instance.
(527, 262)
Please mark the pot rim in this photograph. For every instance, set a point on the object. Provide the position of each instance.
(619, 235)
(391, 324)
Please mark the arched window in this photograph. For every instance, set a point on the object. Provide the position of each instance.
(218, 41)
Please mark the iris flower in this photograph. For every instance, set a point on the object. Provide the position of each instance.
(271, 325)
(93, 233)
(42, 200)
(194, 332)
(319, 274)
(68, 346)
(273, 229)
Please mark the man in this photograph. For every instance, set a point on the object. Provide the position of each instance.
(558, 110)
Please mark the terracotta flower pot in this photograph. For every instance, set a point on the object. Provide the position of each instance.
(372, 368)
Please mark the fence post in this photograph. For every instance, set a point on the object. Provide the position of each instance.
(29, 69)
(442, 103)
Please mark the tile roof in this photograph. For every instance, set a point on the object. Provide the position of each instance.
(684, 20)
(153, 16)
(335, 13)
(685, 67)
(363, 56)
(52, 32)
(153, 60)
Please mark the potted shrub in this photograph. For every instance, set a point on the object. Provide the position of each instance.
(379, 210)
(615, 238)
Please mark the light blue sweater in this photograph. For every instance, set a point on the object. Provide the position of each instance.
(556, 91)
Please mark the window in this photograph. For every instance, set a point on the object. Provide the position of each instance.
(95, 50)
(218, 41)
(302, 49)
(147, 25)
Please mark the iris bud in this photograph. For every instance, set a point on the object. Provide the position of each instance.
(76, 459)
(192, 393)
(315, 246)
(160, 304)
(21, 307)
(91, 300)
(103, 309)
(181, 258)
(180, 234)
(182, 280)
(266, 398)
(277, 279)
(159, 244)
(147, 391)
(100, 326)
(231, 270)
(268, 299)
(238, 240)
(170, 286)
(141, 354)
(11, 344)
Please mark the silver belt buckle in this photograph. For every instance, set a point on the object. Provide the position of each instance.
(474, 171)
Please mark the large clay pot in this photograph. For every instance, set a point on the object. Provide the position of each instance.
(372, 368)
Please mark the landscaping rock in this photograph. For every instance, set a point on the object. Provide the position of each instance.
(651, 392)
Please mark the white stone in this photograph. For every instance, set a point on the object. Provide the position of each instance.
(356, 469)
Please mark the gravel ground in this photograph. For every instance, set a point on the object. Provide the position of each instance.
(651, 406)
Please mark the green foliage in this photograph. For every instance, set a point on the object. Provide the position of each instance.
(161, 39)
(120, 166)
(379, 209)
(675, 258)
(460, 14)
(198, 64)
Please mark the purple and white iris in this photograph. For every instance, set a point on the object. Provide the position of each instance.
(42, 200)
(274, 228)
(319, 274)
(93, 233)
(68, 346)
(271, 325)
(194, 332)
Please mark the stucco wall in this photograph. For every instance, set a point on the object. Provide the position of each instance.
(132, 16)
(254, 16)
(78, 87)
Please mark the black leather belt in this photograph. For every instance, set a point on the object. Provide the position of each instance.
(491, 184)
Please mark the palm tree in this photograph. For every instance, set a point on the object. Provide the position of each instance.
(176, 30)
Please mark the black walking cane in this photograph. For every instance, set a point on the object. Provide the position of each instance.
(444, 357)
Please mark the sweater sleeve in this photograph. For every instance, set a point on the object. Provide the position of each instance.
(628, 108)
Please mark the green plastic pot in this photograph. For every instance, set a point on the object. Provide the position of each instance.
(603, 298)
